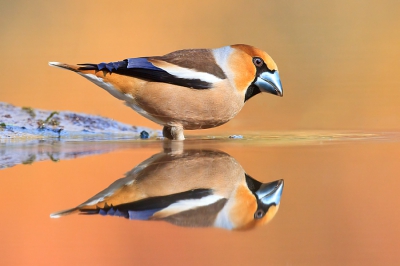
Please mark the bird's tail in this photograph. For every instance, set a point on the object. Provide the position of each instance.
(65, 66)
(99, 74)
(89, 210)
(83, 68)
(64, 212)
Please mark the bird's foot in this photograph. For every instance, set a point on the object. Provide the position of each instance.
(173, 132)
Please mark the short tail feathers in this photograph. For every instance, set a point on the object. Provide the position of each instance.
(74, 68)
(107, 210)
(110, 67)
(64, 212)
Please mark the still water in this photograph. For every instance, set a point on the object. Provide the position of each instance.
(302, 198)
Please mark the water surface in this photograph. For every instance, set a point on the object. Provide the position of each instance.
(338, 206)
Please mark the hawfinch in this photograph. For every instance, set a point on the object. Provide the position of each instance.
(195, 188)
(187, 89)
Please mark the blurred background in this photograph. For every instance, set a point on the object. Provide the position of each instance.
(338, 60)
(339, 63)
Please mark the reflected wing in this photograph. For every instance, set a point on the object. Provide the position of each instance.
(145, 208)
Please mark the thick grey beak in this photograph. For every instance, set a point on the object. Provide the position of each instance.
(270, 193)
(270, 82)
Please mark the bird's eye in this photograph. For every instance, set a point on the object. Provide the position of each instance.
(258, 61)
(259, 214)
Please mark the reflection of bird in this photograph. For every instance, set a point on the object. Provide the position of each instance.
(187, 89)
(194, 188)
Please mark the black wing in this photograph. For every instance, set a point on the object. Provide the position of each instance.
(144, 69)
(145, 208)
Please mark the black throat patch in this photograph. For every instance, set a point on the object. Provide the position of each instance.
(251, 91)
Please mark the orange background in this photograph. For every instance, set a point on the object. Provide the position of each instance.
(338, 60)
(339, 63)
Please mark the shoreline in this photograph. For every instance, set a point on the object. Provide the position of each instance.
(26, 123)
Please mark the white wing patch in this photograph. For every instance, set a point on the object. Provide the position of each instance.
(185, 73)
(184, 205)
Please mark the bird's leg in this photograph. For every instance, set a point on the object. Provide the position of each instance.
(173, 132)
(173, 147)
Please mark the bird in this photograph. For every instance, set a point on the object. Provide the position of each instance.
(193, 188)
(187, 89)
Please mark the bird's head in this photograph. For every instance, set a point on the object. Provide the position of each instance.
(252, 204)
(254, 71)
(268, 199)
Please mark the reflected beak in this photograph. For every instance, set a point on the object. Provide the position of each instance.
(269, 82)
(270, 193)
